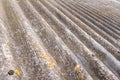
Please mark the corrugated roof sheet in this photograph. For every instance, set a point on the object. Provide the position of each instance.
(59, 40)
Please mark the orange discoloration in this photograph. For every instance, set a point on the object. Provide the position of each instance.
(43, 55)
(50, 61)
(17, 72)
(80, 76)
(50, 64)
(77, 68)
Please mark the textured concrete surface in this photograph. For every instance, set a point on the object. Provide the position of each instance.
(59, 40)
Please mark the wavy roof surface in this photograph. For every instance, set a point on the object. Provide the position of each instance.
(59, 40)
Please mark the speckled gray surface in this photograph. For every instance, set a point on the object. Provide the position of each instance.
(60, 39)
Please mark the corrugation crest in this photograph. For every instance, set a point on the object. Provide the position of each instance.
(59, 40)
